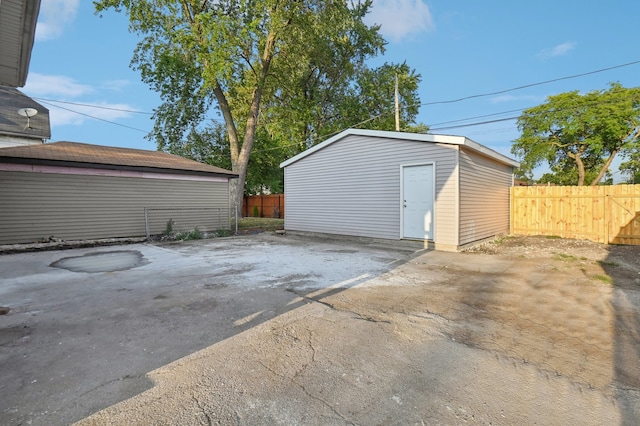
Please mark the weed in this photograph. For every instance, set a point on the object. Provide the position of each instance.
(223, 233)
(565, 257)
(168, 230)
(194, 234)
(257, 223)
(607, 263)
(256, 211)
(604, 278)
(553, 237)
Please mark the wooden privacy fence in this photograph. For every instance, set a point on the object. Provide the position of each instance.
(263, 206)
(605, 214)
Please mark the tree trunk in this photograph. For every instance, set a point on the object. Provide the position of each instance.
(241, 162)
(577, 157)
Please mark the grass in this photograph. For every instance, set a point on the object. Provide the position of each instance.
(568, 257)
(565, 257)
(607, 263)
(260, 223)
(604, 278)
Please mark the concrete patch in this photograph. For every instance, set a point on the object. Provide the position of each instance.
(110, 261)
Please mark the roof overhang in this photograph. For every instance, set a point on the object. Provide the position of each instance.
(18, 20)
(89, 156)
(418, 137)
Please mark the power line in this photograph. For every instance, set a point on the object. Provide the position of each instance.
(92, 106)
(478, 116)
(49, 102)
(499, 92)
(93, 117)
(480, 123)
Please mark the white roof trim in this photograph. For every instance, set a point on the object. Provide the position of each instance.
(420, 137)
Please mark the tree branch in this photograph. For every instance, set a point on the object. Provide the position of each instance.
(604, 168)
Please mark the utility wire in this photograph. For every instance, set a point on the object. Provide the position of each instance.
(93, 117)
(480, 123)
(324, 137)
(92, 106)
(447, 101)
(433, 128)
(499, 92)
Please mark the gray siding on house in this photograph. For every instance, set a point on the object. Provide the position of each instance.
(484, 197)
(352, 187)
(77, 207)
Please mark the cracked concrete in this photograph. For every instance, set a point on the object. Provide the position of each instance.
(381, 336)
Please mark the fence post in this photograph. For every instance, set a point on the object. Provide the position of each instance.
(511, 208)
(236, 212)
(607, 205)
(146, 223)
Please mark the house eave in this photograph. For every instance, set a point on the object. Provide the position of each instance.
(73, 164)
(18, 20)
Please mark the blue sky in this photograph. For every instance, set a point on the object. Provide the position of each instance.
(461, 49)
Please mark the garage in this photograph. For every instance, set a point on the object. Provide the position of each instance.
(447, 191)
(76, 191)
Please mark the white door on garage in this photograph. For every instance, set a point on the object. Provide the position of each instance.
(417, 202)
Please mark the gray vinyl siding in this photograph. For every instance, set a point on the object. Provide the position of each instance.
(484, 197)
(352, 187)
(78, 207)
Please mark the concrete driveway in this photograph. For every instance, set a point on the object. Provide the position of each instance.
(287, 330)
(76, 342)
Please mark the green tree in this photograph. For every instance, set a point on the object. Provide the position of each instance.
(234, 56)
(631, 167)
(579, 135)
(310, 110)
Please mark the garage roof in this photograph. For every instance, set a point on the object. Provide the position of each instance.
(17, 32)
(74, 154)
(420, 137)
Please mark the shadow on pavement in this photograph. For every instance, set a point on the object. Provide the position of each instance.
(623, 268)
(76, 344)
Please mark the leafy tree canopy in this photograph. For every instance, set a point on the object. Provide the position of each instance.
(273, 72)
(579, 135)
(631, 167)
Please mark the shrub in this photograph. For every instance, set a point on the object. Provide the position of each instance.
(223, 232)
(194, 234)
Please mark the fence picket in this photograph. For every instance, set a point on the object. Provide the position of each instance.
(271, 205)
(606, 214)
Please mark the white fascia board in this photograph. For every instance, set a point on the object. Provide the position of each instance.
(491, 153)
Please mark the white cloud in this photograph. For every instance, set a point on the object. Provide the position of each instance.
(54, 16)
(559, 50)
(400, 18)
(55, 85)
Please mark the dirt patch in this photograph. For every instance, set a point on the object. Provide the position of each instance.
(613, 264)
